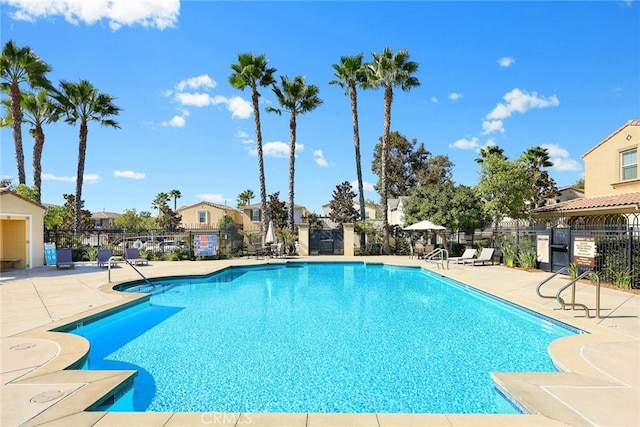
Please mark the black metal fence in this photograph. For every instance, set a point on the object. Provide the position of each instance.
(153, 244)
(326, 242)
(612, 244)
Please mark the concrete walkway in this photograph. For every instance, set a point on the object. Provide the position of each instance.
(599, 384)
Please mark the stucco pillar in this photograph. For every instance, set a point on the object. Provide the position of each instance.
(348, 239)
(303, 239)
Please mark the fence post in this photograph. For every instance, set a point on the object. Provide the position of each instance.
(630, 249)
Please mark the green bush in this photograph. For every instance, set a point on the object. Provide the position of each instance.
(527, 258)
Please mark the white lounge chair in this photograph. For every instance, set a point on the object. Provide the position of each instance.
(468, 254)
(485, 256)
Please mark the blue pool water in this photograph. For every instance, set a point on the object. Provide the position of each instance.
(327, 337)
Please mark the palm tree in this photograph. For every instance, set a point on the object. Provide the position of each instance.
(161, 201)
(350, 74)
(20, 65)
(37, 111)
(389, 70)
(537, 158)
(244, 198)
(250, 72)
(544, 186)
(490, 150)
(175, 194)
(296, 97)
(82, 102)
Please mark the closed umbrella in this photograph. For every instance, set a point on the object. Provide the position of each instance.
(271, 234)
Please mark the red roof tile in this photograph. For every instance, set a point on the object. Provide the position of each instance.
(617, 200)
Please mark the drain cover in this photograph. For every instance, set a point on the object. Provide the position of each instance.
(47, 396)
(24, 346)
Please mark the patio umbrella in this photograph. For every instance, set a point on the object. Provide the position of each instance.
(424, 225)
(271, 234)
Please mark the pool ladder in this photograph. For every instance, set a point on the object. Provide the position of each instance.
(572, 283)
(117, 259)
(438, 256)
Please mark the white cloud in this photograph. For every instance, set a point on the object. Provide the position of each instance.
(561, 159)
(434, 99)
(177, 121)
(160, 14)
(239, 107)
(194, 99)
(241, 134)
(129, 174)
(454, 96)
(520, 101)
(466, 144)
(276, 149)
(318, 156)
(506, 61)
(491, 126)
(216, 198)
(51, 177)
(90, 178)
(366, 186)
(203, 81)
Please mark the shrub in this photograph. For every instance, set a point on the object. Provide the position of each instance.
(527, 258)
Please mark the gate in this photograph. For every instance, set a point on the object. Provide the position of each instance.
(326, 242)
(559, 248)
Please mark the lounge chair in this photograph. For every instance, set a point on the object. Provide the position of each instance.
(485, 256)
(103, 258)
(64, 259)
(468, 254)
(133, 256)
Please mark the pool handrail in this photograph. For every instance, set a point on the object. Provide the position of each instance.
(116, 259)
(573, 294)
(562, 270)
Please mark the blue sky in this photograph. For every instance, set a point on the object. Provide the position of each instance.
(563, 75)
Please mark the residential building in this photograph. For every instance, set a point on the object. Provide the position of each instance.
(396, 210)
(611, 178)
(254, 214)
(21, 237)
(104, 220)
(369, 210)
(207, 215)
(566, 193)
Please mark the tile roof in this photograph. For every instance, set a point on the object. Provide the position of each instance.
(203, 202)
(602, 202)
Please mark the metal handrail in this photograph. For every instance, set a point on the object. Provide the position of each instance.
(438, 251)
(573, 294)
(117, 259)
(562, 270)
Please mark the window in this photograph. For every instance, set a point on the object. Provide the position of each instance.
(202, 217)
(629, 163)
(97, 223)
(255, 215)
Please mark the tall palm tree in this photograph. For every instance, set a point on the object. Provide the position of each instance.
(161, 201)
(490, 150)
(175, 194)
(537, 158)
(82, 102)
(389, 70)
(244, 198)
(252, 72)
(37, 111)
(296, 97)
(350, 73)
(20, 65)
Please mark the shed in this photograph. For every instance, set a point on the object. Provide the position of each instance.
(21, 231)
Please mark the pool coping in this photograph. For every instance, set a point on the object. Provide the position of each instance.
(531, 390)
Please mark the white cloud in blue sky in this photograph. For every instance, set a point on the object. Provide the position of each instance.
(86, 178)
(129, 174)
(454, 96)
(506, 61)
(318, 157)
(147, 13)
(562, 162)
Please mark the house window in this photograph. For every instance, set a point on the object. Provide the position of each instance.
(97, 223)
(255, 215)
(629, 162)
(202, 217)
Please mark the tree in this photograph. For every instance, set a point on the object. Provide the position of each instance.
(251, 72)
(490, 150)
(37, 111)
(175, 194)
(504, 186)
(161, 201)
(579, 184)
(277, 210)
(433, 202)
(544, 187)
(69, 217)
(469, 209)
(351, 73)
(404, 163)
(134, 221)
(389, 70)
(314, 221)
(341, 205)
(84, 103)
(168, 219)
(296, 97)
(244, 198)
(20, 65)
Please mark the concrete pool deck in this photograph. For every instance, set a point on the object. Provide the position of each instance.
(599, 385)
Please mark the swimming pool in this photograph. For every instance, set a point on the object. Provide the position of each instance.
(319, 337)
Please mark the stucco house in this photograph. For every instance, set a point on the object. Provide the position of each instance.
(21, 226)
(611, 178)
(104, 219)
(254, 214)
(395, 211)
(207, 215)
(369, 212)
